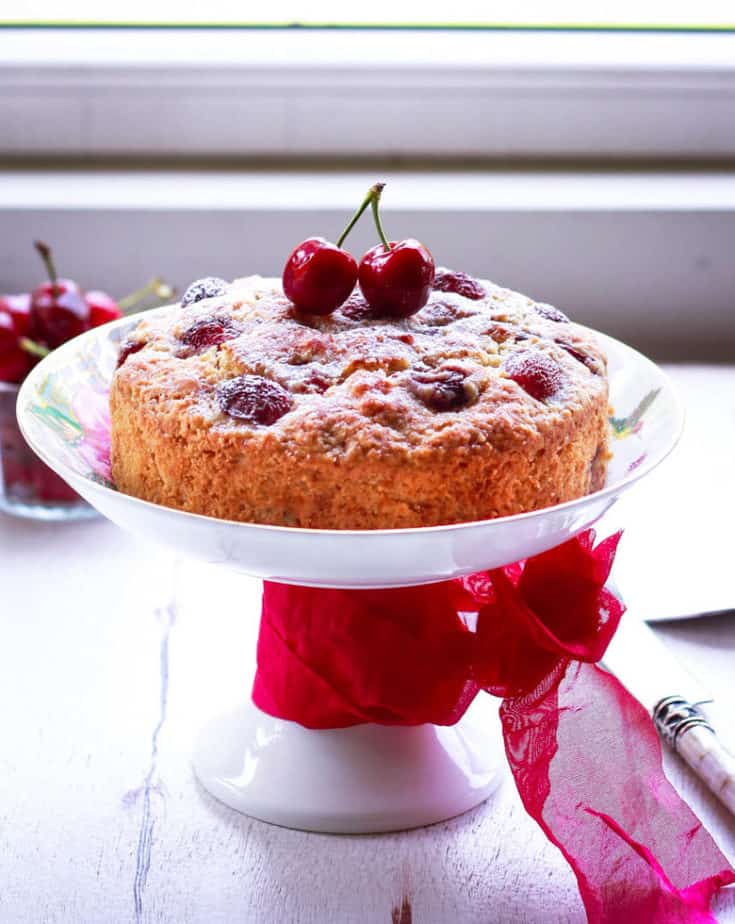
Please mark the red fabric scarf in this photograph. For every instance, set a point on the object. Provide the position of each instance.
(584, 754)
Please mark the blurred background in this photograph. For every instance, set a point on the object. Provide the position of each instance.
(581, 153)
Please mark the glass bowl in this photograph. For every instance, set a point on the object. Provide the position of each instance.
(28, 487)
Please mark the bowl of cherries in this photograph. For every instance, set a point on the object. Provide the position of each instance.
(31, 326)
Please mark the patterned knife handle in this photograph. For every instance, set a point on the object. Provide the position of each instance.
(683, 726)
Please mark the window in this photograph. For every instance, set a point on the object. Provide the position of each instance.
(474, 93)
(559, 14)
(589, 166)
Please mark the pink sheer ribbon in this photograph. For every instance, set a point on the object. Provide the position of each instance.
(584, 754)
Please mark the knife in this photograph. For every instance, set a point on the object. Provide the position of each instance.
(673, 697)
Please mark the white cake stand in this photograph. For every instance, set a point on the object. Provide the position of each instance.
(369, 777)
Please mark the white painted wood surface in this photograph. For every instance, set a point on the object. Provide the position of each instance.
(112, 654)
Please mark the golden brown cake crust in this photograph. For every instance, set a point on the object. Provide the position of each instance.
(366, 443)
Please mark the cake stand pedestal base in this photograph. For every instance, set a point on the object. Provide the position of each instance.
(358, 780)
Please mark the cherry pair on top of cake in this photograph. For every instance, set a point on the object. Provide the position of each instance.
(395, 277)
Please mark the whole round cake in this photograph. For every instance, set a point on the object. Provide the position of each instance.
(238, 405)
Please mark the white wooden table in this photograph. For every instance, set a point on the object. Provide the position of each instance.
(112, 654)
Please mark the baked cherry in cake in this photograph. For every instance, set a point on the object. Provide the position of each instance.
(535, 372)
(254, 399)
(444, 389)
(127, 348)
(551, 313)
(209, 287)
(446, 280)
(209, 331)
(591, 362)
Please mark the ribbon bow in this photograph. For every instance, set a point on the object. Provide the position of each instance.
(583, 753)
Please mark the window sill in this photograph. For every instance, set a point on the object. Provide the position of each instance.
(644, 256)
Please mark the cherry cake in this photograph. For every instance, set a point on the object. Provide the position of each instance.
(239, 405)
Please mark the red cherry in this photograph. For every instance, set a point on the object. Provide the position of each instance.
(8, 336)
(59, 312)
(15, 366)
(395, 278)
(102, 308)
(535, 372)
(58, 309)
(19, 309)
(319, 276)
(15, 363)
(397, 281)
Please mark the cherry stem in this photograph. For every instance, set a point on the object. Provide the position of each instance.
(30, 346)
(378, 224)
(162, 290)
(48, 261)
(372, 197)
